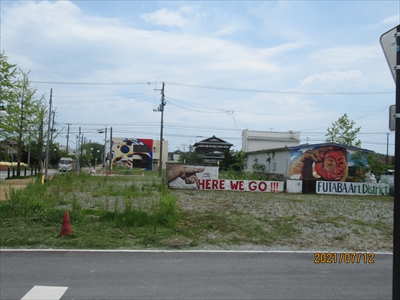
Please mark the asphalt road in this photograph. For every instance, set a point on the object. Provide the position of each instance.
(4, 174)
(190, 275)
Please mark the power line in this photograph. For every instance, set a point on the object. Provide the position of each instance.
(279, 92)
(195, 110)
(92, 83)
(321, 93)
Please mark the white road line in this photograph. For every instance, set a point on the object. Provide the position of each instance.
(45, 293)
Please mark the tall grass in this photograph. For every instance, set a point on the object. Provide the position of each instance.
(26, 201)
(132, 202)
(162, 212)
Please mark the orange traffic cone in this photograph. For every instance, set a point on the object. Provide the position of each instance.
(66, 226)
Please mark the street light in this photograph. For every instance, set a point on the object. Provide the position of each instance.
(95, 157)
(105, 146)
(56, 154)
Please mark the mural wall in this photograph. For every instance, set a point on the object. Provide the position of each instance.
(132, 153)
(326, 163)
(188, 176)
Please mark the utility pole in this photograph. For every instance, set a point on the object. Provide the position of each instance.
(105, 151)
(396, 206)
(77, 162)
(390, 42)
(40, 143)
(19, 143)
(68, 136)
(161, 109)
(387, 149)
(52, 127)
(111, 158)
(48, 138)
(29, 151)
(82, 145)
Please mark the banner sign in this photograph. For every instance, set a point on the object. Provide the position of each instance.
(206, 178)
(241, 185)
(351, 188)
(188, 176)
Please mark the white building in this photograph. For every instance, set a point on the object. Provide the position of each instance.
(263, 140)
(156, 154)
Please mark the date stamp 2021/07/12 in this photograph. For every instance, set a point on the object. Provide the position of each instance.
(343, 257)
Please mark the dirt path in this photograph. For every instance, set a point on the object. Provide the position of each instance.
(7, 185)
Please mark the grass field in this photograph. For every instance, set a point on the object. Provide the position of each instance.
(139, 212)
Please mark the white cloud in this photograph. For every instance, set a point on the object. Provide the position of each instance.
(345, 55)
(165, 17)
(60, 41)
(330, 78)
(226, 30)
(391, 20)
(83, 46)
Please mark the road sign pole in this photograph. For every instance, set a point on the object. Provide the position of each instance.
(396, 209)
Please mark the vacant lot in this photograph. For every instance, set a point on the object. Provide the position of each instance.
(283, 221)
(208, 219)
(7, 185)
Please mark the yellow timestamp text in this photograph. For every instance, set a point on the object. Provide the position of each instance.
(343, 257)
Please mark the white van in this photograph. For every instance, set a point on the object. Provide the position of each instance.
(66, 164)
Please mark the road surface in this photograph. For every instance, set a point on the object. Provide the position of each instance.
(189, 275)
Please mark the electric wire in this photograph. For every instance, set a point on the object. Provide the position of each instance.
(220, 88)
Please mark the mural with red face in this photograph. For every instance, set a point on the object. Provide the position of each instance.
(333, 165)
(322, 163)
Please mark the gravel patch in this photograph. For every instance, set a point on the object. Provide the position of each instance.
(319, 222)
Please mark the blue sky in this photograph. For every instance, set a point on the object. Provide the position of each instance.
(227, 66)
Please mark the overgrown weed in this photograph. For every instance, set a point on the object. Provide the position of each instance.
(133, 205)
(138, 211)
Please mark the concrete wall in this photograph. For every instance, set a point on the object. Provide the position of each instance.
(156, 154)
(275, 162)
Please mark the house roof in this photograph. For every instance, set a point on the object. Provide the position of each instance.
(8, 143)
(277, 139)
(295, 148)
(214, 141)
(213, 154)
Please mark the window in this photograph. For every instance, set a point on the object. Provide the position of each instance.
(352, 171)
(141, 148)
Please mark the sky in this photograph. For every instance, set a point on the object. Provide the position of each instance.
(226, 66)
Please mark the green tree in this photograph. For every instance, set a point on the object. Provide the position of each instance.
(378, 167)
(236, 160)
(361, 164)
(93, 154)
(23, 110)
(190, 157)
(8, 73)
(239, 158)
(227, 160)
(343, 132)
